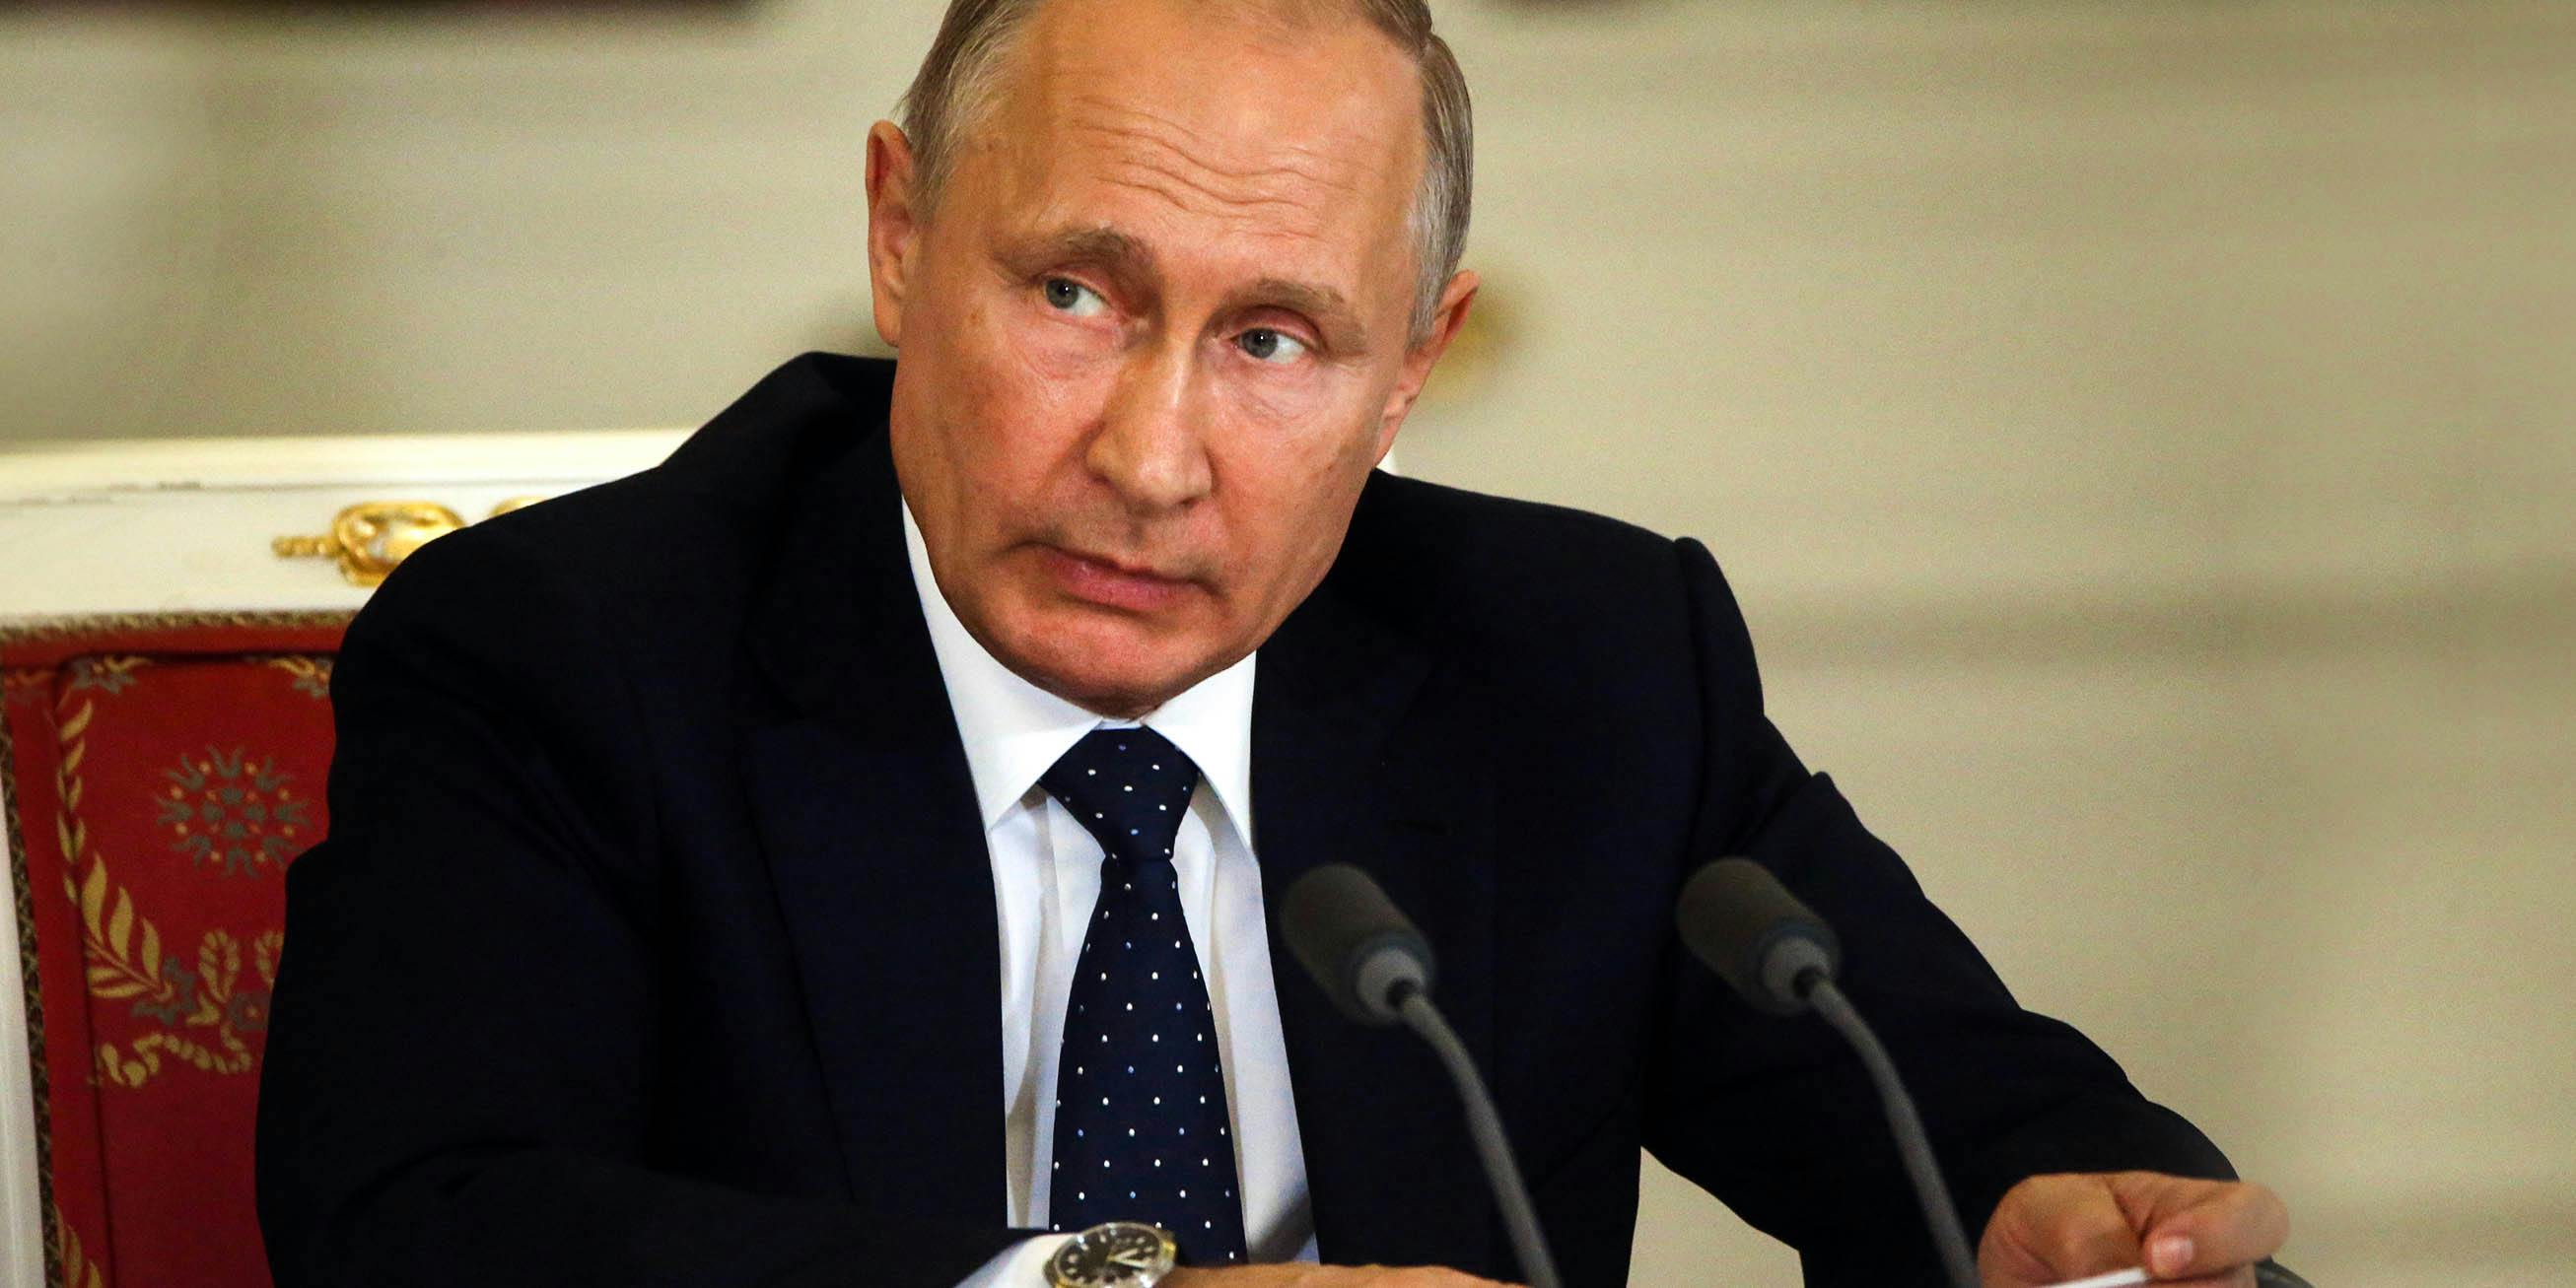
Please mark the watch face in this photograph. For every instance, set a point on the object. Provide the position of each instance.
(1117, 1255)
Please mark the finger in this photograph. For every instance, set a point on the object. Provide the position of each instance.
(2052, 1228)
(2205, 1227)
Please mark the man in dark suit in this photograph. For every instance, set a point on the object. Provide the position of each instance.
(687, 831)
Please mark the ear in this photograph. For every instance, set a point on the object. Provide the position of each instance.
(1454, 301)
(894, 226)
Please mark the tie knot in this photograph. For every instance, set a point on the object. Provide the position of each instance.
(1129, 787)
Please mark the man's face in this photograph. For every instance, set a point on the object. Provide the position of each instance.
(1154, 336)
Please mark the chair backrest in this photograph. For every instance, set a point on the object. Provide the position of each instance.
(163, 741)
(161, 773)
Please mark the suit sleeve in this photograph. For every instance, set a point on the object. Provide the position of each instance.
(1774, 1115)
(456, 1080)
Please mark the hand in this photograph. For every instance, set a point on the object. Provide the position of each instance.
(2205, 1234)
(1301, 1274)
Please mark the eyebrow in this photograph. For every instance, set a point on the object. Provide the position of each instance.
(1133, 263)
(1341, 323)
(1112, 251)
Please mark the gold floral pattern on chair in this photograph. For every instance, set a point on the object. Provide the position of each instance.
(312, 674)
(225, 805)
(69, 831)
(205, 1012)
(209, 1001)
(111, 674)
(221, 805)
(78, 1270)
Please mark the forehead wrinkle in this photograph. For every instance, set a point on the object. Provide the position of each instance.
(1177, 180)
(1162, 133)
(1155, 155)
(1178, 190)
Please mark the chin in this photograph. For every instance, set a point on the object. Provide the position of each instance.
(1113, 665)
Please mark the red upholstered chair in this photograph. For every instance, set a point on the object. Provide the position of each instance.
(161, 772)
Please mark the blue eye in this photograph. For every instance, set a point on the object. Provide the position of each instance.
(1072, 298)
(1267, 345)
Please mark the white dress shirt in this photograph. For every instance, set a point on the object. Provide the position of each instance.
(1046, 876)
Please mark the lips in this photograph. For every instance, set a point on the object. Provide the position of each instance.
(1111, 584)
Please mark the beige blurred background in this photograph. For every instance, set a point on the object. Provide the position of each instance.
(2143, 437)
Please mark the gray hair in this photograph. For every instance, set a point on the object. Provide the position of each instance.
(961, 76)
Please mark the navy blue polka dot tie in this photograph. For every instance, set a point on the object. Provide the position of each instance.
(1141, 1132)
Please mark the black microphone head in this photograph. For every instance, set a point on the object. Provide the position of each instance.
(1739, 919)
(1350, 937)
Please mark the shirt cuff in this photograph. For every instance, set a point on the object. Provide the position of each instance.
(1021, 1265)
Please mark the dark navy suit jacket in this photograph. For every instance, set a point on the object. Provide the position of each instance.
(653, 939)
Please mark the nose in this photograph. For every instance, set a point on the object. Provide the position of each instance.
(1151, 448)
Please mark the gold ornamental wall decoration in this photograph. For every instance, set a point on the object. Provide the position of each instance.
(370, 539)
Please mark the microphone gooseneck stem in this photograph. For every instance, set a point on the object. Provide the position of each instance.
(1486, 1126)
(1938, 1212)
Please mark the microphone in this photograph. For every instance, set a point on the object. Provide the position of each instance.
(1377, 969)
(1740, 920)
(1778, 955)
(1350, 937)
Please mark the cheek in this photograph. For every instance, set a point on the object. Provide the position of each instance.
(1290, 506)
(1287, 404)
(1015, 406)
(1049, 377)
(1019, 340)
(1062, 354)
(1306, 445)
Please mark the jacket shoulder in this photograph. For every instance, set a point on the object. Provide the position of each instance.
(1444, 559)
(687, 539)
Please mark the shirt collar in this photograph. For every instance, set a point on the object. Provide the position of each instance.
(1014, 730)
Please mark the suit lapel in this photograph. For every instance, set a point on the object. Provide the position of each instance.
(867, 819)
(1356, 759)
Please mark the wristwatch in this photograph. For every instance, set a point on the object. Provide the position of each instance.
(1119, 1254)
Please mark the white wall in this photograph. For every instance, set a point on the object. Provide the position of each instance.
(2141, 437)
